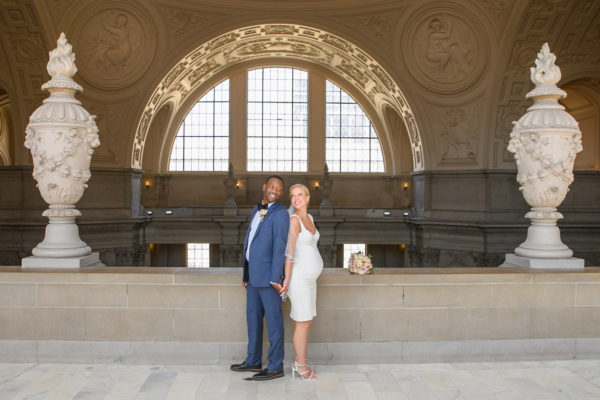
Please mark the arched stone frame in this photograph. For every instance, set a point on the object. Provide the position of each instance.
(5, 130)
(166, 132)
(587, 115)
(294, 42)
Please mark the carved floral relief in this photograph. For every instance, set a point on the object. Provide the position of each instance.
(378, 25)
(457, 130)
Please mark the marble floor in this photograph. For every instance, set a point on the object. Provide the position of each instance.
(543, 380)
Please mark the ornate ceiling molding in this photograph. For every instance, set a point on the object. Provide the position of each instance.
(558, 22)
(282, 41)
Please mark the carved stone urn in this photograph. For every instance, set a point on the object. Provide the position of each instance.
(545, 142)
(62, 136)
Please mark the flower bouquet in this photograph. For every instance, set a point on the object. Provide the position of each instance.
(360, 264)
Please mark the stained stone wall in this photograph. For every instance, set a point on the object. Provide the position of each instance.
(441, 81)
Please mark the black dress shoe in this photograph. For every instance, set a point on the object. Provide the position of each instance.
(245, 367)
(267, 374)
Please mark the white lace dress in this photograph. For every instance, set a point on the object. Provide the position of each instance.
(307, 267)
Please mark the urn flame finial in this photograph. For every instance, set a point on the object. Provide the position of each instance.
(62, 59)
(545, 71)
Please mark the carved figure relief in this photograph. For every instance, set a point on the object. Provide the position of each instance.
(445, 52)
(447, 56)
(117, 45)
(230, 186)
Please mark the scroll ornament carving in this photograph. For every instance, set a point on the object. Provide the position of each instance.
(545, 142)
(379, 25)
(62, 136)
(180, 21)
(497, 8)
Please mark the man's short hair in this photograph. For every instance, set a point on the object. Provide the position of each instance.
(276, 177)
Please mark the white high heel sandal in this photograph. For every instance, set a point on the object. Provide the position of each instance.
(303, 374)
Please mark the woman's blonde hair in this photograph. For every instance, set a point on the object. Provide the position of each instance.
(299, 185)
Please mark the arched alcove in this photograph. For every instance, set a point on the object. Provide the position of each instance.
(400, 136)
(283, 41)
(5, 129)
(583, 103)
(155, 143)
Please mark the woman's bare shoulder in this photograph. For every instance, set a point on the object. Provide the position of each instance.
(295, 222)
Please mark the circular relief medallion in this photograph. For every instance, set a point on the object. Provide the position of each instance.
(114, 45)
(444, 52)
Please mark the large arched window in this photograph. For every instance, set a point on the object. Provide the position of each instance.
(352, 144)
(277, 127)
(277, 120)
(202, 141)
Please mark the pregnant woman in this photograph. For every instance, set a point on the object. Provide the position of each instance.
(303, 265)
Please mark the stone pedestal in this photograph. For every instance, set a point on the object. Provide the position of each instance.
(572, 263)
(91, 260)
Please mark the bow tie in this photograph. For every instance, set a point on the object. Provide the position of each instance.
(262, 206)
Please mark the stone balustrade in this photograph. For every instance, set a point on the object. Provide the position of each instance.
(185, 316)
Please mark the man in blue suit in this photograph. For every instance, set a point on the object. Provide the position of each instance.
(264, 257)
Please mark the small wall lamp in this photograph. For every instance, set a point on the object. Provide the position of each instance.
(317, 185)
(147, 184)
(237, 184)
(404, 185)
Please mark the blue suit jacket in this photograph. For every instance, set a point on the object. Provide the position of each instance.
(267, 251)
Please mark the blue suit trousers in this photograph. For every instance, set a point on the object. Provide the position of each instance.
(264, 302)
